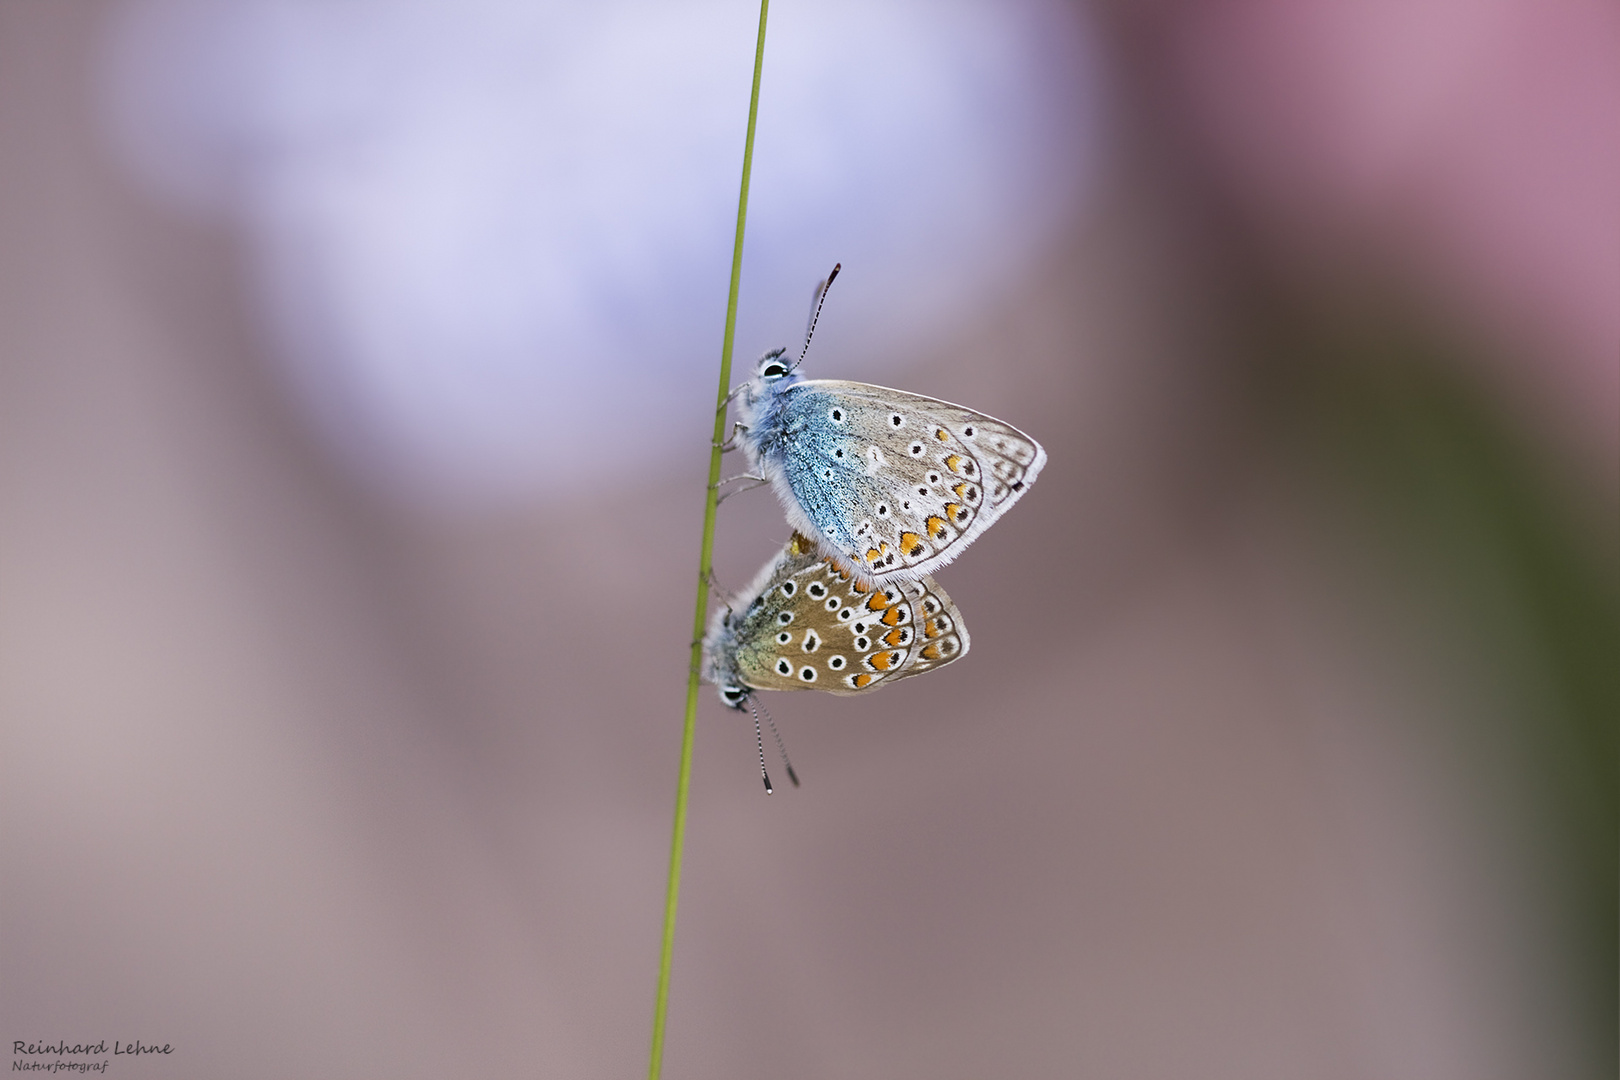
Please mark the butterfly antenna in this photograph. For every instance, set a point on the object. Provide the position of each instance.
(815, 312)
(786, 764)
(759, 740)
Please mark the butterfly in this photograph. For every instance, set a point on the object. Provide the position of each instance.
(808, 623)
(897, 484)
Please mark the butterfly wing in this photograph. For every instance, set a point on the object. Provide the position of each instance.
(899, 484)
(939, 634)
(811, 624)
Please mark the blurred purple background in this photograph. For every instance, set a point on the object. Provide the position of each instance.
(355, 371)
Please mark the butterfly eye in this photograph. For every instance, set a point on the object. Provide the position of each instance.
(773, 371)
(733, 695)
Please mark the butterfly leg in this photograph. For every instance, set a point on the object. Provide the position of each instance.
(755, 481)
(731, 440)
(725, 596)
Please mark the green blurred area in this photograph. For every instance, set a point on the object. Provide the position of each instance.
(1378, 414)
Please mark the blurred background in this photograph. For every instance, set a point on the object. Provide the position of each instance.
(356, 365)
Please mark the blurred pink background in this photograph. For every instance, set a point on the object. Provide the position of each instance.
(355, 364)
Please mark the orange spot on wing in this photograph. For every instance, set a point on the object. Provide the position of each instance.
(861, 681)
(936, 526)
(895, 637)
(930, 652)
(931, 629)
(877, 602)
(892, 616)
(911, 544)
(942, 435)
(952, 461)
(883, 661)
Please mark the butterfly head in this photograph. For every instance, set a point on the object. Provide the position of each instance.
(720, 660)
(762, 395)
(774, 366)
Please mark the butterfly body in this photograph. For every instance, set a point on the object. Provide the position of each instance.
(895, 484)
(809, 623)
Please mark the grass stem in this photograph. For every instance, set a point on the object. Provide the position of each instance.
(705, 561)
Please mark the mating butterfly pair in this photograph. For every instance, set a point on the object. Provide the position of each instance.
(882, 487)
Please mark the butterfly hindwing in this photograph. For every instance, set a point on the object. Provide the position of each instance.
(897, 483)
(809, 623)
(942, 637)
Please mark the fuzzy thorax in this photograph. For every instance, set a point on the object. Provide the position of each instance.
(760, 405)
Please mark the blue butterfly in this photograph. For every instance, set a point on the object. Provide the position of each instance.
(896, 484)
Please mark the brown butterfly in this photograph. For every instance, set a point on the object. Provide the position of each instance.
(808, 623)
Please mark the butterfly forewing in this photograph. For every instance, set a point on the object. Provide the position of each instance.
(815, 625)
(899, 484)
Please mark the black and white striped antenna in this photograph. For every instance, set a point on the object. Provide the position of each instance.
(759, 741)
(786, 764)
(815, 311)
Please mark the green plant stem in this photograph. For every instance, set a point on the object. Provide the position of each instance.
(705, 562)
